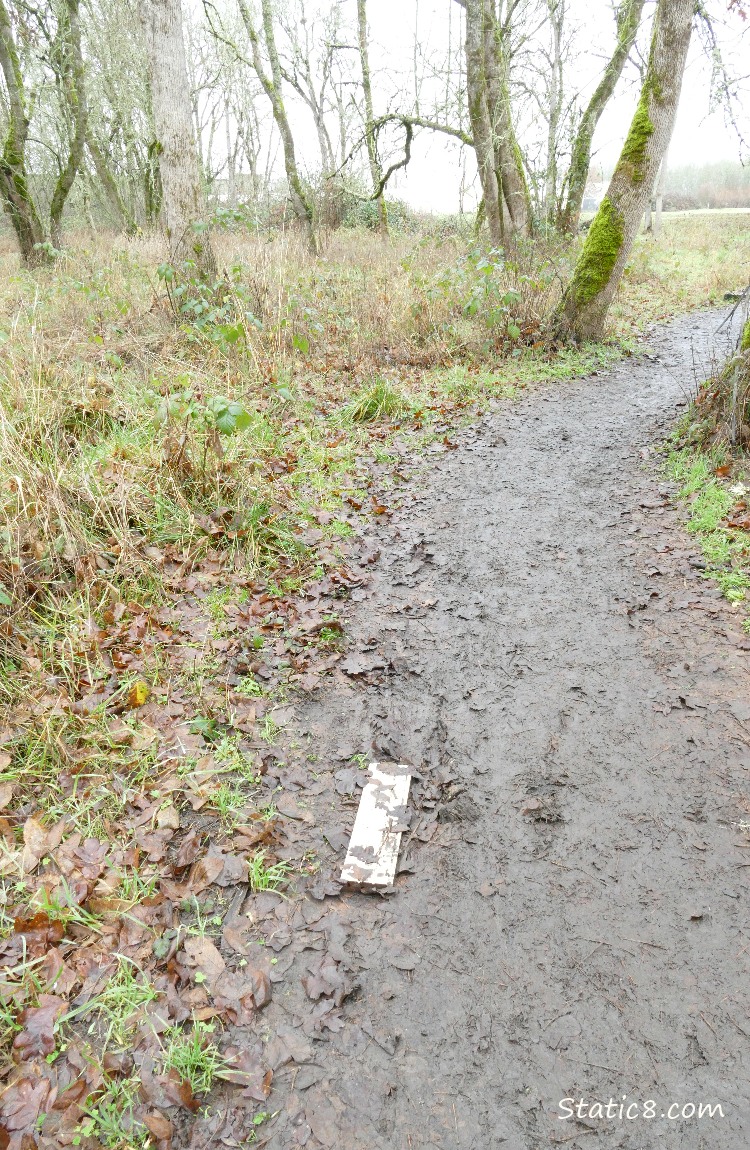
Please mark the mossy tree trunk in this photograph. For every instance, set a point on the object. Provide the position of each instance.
(609, 242)
(272, 86)
(745, 340)
(72, 83)
(183, 204)
(111, 189)
(153, 189)
(508, 160)
(376, 171)
(499, 162)
(14, 180)
(628, 18)
(480, 119)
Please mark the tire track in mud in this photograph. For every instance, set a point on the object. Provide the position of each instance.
(574, 699)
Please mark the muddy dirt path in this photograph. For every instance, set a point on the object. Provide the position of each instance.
(571, 922)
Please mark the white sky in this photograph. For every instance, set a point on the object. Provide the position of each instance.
(440, 167)
(433, 179)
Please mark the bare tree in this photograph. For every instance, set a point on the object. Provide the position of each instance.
(556, 10)
(272, 86)
(628, 17)
(14, 178)
(376, 170)
(504, 191)
(189, 238)
(70, 71)
(584, 307)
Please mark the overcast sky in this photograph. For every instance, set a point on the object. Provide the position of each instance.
(701, 135)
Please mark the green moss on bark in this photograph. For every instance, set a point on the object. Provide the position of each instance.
(745, 341)
(641, 130)
(599, 255)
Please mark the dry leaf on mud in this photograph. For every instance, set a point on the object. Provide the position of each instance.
(159, 1125)
(355, 664)
(37, 1035)
(37, 934)
(188, 851)
(34, 844)
(204, 873)
(201, 954)
(326, 979)
(179, 1092)
(21, 1105)
(244, 1069)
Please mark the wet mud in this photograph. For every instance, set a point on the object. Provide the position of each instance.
(570, 920)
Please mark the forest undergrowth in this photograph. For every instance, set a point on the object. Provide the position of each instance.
(184, 476)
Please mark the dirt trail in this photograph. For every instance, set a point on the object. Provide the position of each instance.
(576, 703)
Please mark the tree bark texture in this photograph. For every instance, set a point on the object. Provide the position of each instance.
(183, 205)
(271, 85)
(508, 159)
(610, 239)
(72, 82)
(556, 10)
(376, 172)
(499, 162)
(111, 190)
(628, 21)
(14, 181)
(480, 120)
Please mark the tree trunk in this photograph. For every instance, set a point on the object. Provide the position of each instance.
(609, 242)
(376, 171)
(14, 182)
(111, 190)
(628, 21)
(183, 205)
(508, 160)
(479, 117)
(272, 87)
(556, 10)
(661, 180)
(153, 189)
(73, 85)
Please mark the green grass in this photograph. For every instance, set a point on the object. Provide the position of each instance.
(111, 1120)
(709, 500)
(378, 400)
(112, 1014)
(193, 1055)
(267, 876)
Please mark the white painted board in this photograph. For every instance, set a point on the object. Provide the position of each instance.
(376, 836)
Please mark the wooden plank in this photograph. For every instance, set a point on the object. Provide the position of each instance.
(376, 835)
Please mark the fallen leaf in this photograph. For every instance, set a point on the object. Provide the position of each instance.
(158, 1124)
(20, 1107)
(326, 980)
(205, 872)
(37, 1035)
(138, 694)
(168, 818)
(205, 957)
(34, 844)
(38, 933)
